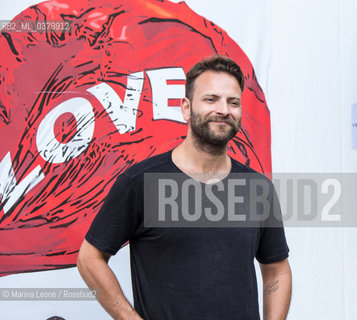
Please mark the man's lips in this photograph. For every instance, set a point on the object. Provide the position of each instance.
(221, 122)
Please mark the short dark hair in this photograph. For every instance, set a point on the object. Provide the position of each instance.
(215, 63)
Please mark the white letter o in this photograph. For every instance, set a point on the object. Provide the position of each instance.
(54, 151)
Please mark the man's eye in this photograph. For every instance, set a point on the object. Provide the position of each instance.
(235, 103)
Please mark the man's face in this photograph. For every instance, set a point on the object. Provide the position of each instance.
(215, 115)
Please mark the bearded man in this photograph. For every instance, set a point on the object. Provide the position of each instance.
(183, 272)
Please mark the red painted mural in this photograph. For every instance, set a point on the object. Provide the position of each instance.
(79, 105)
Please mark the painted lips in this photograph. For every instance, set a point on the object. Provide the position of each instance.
(78, 107)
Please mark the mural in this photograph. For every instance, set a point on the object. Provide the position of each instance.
(80, 105)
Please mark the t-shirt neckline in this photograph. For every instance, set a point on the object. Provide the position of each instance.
(172, 163)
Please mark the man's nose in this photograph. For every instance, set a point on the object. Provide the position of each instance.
(222, 107)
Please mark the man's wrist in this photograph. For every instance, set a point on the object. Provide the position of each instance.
(128, 314)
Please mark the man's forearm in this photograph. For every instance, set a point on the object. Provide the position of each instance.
(276, 291)
(99, 277)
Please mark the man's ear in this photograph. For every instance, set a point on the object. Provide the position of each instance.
(185, 108)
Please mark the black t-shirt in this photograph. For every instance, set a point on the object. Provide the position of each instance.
(184, 273)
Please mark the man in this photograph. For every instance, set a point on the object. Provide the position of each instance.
(189, 273)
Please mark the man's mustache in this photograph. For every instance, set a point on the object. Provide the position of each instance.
(226, 119)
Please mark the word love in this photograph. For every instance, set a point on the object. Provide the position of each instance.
(167, 85)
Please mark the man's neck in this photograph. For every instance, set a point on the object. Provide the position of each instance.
(200, 163)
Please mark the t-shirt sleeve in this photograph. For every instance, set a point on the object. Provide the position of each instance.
(118, 219)
(272, 243)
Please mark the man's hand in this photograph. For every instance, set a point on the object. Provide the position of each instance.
(93, 266)
(276, 289)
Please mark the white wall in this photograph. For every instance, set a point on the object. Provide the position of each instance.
(304, 54)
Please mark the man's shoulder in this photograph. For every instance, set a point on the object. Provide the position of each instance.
(240, 168)
(157, 163)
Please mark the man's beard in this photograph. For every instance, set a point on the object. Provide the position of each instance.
(206, 138)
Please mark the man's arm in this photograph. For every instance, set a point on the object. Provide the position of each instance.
(93, 266)
(276, 289)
